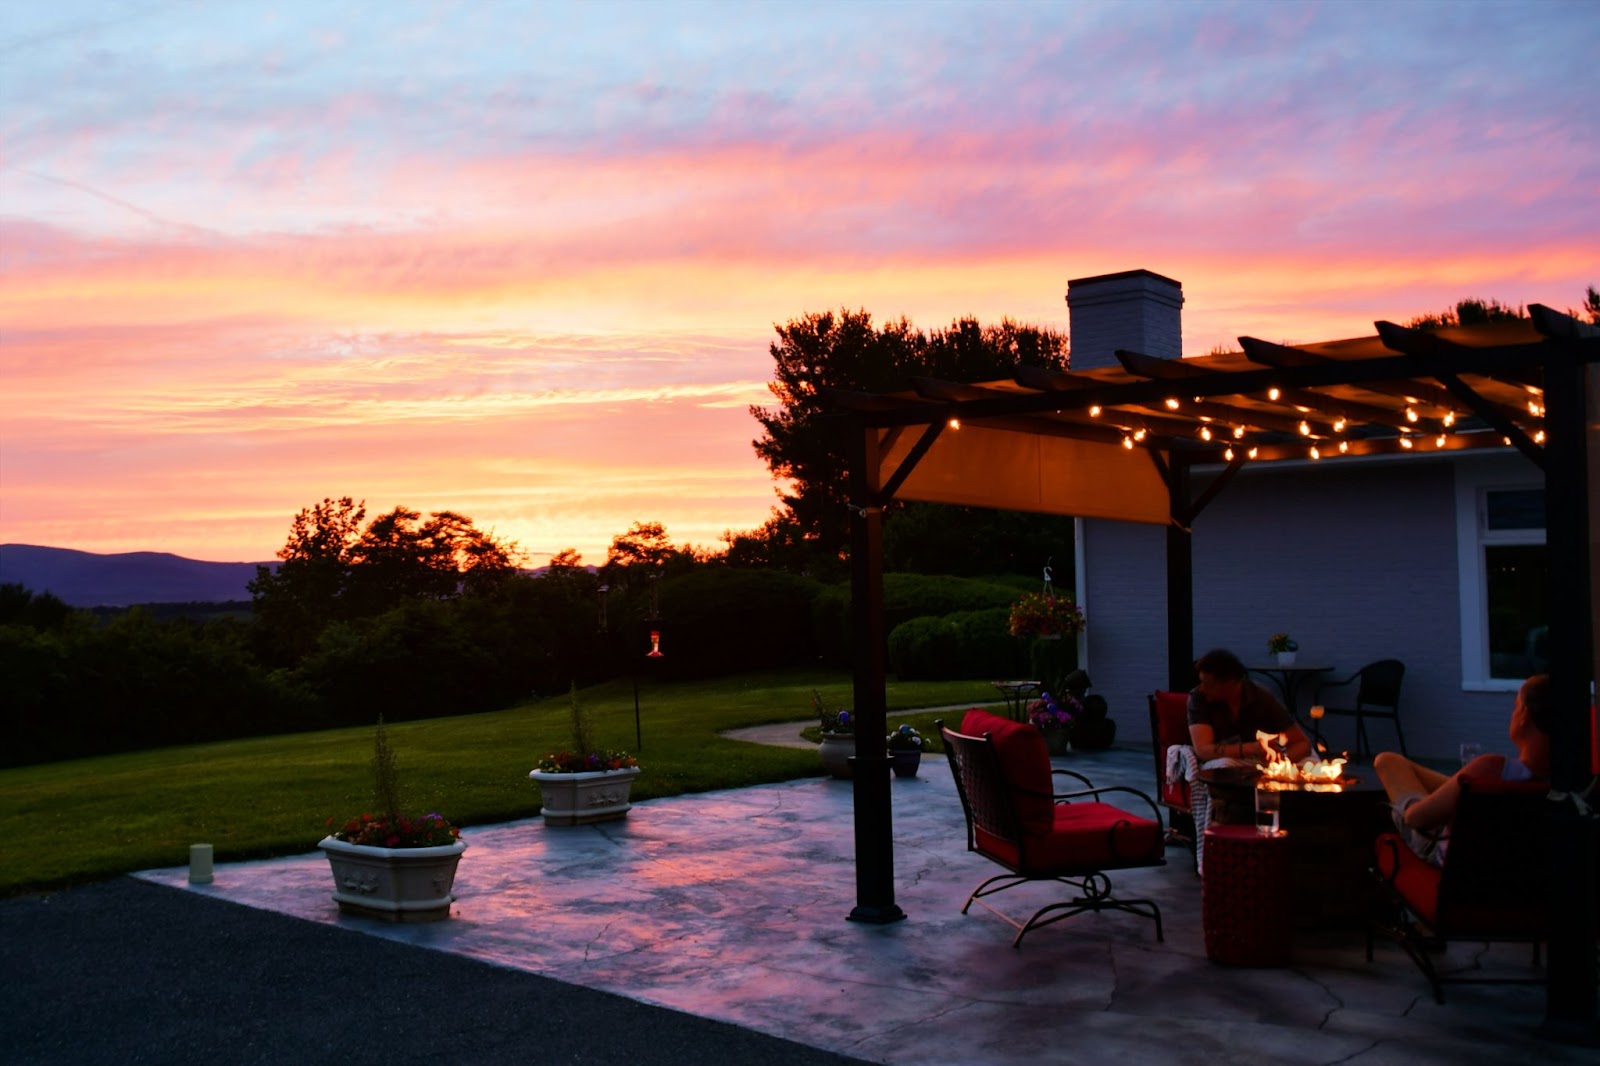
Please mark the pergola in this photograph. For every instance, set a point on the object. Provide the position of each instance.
(1124, 442)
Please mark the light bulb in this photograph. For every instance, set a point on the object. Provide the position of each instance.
(1172, 403)
(1094, 412)
(1205, 432)
(955, 423)
(1314, 453)
(1273, 393)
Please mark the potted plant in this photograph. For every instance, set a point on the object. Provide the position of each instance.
(386, 865)
(1045, 615)
(584, 784)
(905, 751)
(1091, 728)
(838, 736)
(1054, 716)
(1284, 647)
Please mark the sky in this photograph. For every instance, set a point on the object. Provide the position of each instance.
(523, 261)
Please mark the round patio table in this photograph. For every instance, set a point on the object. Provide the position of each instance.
(1016, 695)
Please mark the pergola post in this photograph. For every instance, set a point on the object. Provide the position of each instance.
(1571, 989)
(870, 766)
(1180, 580)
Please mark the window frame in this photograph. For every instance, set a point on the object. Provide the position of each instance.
(1473, 535)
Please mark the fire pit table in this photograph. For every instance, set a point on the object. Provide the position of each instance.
(1330, 832)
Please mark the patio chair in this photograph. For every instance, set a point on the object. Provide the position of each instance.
(1016, 820)
(1377, 696)
(1169, 728)
(1487, 890)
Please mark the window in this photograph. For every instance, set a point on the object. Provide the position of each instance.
(1504, 574)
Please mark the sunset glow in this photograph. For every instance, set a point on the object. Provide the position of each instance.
(523, 261)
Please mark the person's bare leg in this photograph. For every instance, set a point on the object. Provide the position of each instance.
(1401, 776)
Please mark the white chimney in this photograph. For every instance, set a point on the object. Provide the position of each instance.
(1136, 310)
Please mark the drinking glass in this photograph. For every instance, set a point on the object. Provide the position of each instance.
(1470, 750)
(1267, 803)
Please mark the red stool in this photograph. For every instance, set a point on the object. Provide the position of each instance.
(1245, 896)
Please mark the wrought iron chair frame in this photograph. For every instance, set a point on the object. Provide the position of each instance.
(1495, 854)
(1360, 711)
(981, 783)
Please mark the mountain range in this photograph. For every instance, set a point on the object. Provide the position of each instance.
(85, 579)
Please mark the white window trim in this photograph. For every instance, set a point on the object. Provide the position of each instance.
(1471, 537)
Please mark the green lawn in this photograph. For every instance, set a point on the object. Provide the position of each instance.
(92, 818)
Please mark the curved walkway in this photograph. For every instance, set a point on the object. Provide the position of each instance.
(787, 734)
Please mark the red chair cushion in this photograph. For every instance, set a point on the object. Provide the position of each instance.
(1417, 881)
(1172, 718)
(1172, 727)
(1025, 762)
(1083, 836)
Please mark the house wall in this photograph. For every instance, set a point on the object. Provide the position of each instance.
(1356, 561)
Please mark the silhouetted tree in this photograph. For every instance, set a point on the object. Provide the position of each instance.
(801, 445)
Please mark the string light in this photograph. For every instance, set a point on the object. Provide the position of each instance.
(1138, 435)
(1253, 452)
(1228, 454)
(1338, 426)
(1405, 442)
(1305, 428)
(1411, 414)
(1172, 403)
(955, 423)
(1449, 419)
(1534, 409)
(1205, 432)
(1538, 438)
(1314, 453)
(1344, 447)
(1273, 393)
(1238, 432)
(1438, 441)
(1127, 442)
(1094, 411)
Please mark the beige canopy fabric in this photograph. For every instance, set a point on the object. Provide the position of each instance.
(1014, 471)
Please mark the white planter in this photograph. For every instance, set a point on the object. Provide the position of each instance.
(578, 799)
(1286, 658)
(395, 884)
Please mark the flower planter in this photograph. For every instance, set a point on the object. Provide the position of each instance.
(579, 799)
(1057, 741)
(394, 884)
(1286, 658)
(905, 761)
(835, 752)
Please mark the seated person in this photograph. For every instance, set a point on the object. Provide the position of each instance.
(1227, 709)
(1424, 800)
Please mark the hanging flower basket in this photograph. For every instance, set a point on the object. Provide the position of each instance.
(1045, 614)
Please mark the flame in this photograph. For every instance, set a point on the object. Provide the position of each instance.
(1278, 772)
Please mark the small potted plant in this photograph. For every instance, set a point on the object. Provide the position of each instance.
(584, 784)
(1284, 647)
(1092, 728)
(838, 736)
(905, 751)
(1054, 716)
(1045, 615)
(387, 865)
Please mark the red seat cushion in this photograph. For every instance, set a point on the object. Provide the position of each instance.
(1083, 836)
(1025, 762)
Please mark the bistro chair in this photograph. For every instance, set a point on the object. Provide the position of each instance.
(1016, 820)
(1488, 888)
(1169, 728)
(1377, 696)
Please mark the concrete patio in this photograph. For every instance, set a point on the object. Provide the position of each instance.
(731, 906)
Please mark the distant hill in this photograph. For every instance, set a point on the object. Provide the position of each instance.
(85, 579)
